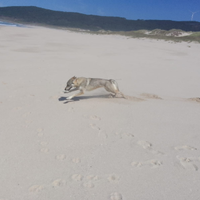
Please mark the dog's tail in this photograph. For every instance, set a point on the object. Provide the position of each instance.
(115, 85)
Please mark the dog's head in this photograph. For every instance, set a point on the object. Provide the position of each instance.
(70, 84)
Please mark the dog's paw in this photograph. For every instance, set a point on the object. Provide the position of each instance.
(68, 98)
(111, 96)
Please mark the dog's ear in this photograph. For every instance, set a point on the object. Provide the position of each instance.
(75, 80)
(74, 77)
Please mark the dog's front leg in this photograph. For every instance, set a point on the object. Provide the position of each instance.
(72, 90)
(75, 95)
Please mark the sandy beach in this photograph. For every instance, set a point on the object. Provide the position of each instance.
(145, 147)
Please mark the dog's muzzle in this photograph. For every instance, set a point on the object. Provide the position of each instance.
(67, 89)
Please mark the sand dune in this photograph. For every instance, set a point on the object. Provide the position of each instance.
(97, 147)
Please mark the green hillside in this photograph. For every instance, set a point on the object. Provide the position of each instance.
(40, 16)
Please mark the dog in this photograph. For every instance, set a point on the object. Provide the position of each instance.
(89, 84)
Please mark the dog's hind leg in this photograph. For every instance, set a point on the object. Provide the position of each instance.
(119, 93)
(113, 88)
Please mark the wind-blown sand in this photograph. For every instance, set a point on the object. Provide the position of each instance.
(96, 147)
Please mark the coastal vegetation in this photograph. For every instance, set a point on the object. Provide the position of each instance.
(155, 29)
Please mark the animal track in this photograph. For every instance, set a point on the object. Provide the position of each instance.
(36, 188)
(148, 146)
(76, 160)
(58, 183)
(144, 144)
(131, 98)
(44, 150)
(185, 147)
(197, 99)
(61, 157)
(115, 196)
(124, 134)
(77, 177)
(150, 96)
(94, 117)
(88, 184)
(40, 132)
(113, 178)
(92, 177)
(100, 133)
(187, 163)
(151, 163)
(95, 127)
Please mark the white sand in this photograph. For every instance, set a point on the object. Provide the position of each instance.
(98, 148)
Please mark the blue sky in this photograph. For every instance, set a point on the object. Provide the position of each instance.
(178, 10)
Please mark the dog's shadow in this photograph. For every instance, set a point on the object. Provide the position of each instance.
(83, 98)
